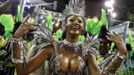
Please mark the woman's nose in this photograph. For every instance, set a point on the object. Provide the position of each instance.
(76, 22)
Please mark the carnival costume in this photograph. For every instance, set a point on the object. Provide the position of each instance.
(67, 58)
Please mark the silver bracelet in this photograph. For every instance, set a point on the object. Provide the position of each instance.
(16, 40)
(16, 61)
(121, 56)
(21, 59)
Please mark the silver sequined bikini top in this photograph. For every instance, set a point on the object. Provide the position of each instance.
(54, 61)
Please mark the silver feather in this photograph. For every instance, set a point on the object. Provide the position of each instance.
(76, 7)
(43, 35)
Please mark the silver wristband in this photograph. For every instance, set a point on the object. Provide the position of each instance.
(121, 56)
(21, 59)
(16, 61)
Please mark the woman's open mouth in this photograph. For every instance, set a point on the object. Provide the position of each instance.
(75, 28)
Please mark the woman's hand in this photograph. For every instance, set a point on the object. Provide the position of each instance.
(26, 26)
(121, 53)
(23, 28)
(118, 41)
(114, 37)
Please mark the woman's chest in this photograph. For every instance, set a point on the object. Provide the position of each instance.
(70, 60)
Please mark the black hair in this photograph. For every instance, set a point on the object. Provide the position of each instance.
(128, 46)
(29, 36)
(63, 35)
(2, 29)
(84, 32)
(103, 32)
(16, 26)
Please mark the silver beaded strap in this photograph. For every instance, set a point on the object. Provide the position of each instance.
(17, 60)
(121, 56)
(21, 59)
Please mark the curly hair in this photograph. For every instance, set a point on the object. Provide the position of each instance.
(103, 32)
(16, 26)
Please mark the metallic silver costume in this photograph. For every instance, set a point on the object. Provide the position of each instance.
(53, 63)
(52, 66)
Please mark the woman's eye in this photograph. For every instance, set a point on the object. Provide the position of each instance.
(71, 20)
(79, 21)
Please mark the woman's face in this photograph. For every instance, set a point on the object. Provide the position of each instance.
(74, 24)
(104, 45)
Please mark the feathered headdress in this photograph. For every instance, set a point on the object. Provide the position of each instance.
(8, 22)
(76, 7)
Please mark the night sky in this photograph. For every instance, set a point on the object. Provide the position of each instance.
(122, 7)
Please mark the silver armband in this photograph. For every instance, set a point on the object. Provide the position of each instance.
(121, 56)
(17, 60)
(21, 59)
(16, 40)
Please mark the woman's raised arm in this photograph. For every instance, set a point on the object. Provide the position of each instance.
(33, 63)
(121, 53)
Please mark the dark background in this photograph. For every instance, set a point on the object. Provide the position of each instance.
(123, 8)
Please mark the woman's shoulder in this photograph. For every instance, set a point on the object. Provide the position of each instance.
(47, 45)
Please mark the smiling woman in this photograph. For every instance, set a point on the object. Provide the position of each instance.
(68, 56)
(74, 25)
(65, 57)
